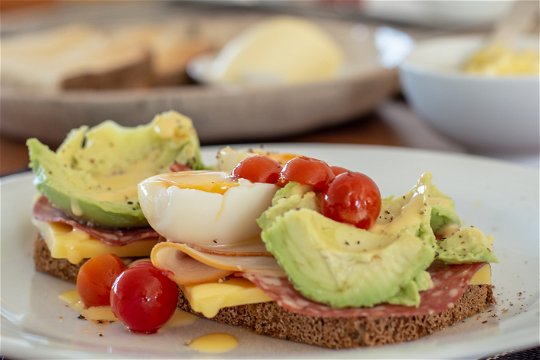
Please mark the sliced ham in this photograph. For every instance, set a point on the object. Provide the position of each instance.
(44, 211)
(168, 256)
(255, 248)
(184, 270)
(449, 284)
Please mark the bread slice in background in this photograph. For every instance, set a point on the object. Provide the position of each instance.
(171, 45)
(337, 333)
(84, 57)
(74, 57)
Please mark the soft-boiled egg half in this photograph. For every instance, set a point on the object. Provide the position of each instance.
(205, 208)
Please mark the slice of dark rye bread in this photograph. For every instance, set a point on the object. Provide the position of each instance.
(336, 333)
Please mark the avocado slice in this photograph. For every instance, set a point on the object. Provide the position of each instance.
(409, 295)
(340, 265)
(443, 212)
(291, 196)
(93, 175)
(467, 245)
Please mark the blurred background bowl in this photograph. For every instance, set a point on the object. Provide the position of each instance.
(484, 113)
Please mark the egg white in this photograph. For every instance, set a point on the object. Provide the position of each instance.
(200, 217)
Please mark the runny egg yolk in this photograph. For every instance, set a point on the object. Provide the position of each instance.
(211, 182)
(217, 187)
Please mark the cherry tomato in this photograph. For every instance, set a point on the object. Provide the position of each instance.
(352, 198)
(258, 168)
(338, 170)
(143, 298)
(307, 171)
(96, 277)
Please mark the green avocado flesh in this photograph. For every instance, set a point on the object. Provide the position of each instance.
(93, 175)
(344, 266)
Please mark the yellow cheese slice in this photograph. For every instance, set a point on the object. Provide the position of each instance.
(482, 276)
(209, 298)
(67, 242)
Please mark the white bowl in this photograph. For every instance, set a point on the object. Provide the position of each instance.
(485, 113)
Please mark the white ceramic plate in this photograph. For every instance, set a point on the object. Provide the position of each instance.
(500, 198)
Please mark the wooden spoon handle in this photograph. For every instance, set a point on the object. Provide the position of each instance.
(523, 15)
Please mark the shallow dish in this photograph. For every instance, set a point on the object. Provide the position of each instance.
(36, 324)
(485, 113)
(220, 113)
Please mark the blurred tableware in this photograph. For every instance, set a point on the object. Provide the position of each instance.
(498, 56)
(436, 13)
(221, 114)
(485, 113)
(520, 18)
(431, 13)
(416, 133)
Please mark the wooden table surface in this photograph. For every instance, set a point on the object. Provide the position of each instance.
(370, 129)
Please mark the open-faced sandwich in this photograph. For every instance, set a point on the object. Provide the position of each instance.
(293, 248)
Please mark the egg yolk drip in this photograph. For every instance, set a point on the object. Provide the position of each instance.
(203, 184)
(213, 187)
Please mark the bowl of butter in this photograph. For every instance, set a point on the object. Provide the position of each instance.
(485, 97)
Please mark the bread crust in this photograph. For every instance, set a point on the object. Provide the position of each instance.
(59, 268)
(138, 74)
(337, 333)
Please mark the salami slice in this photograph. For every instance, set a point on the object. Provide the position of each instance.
(44, 211)
(449, 284)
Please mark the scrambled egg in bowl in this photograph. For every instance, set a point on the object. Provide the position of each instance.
(502, 60)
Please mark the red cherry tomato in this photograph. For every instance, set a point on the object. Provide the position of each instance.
(352, 198)
(307, 171)
(338, 170)
(143, 298)
(96, 277)
(258, 168)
